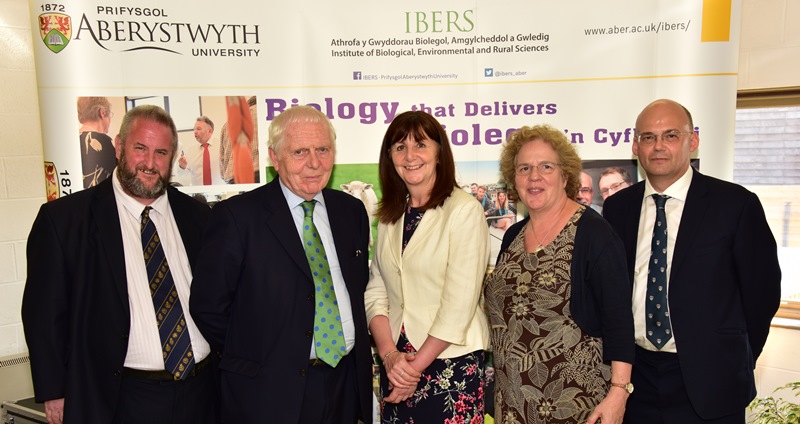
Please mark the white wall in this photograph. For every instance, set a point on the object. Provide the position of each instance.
(778, 363)
(21, 168)
(769, 53)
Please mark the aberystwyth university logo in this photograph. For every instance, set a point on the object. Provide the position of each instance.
(56, 30)
(130, 28)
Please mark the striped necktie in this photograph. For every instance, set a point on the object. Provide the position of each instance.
(175, 343)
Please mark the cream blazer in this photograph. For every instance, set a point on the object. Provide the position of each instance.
(435, 286)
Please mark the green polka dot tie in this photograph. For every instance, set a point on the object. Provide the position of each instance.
(328, 336)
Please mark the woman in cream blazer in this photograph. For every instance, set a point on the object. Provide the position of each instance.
(423, 300)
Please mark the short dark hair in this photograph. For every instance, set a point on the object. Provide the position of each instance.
(618, 170)
(419, 125)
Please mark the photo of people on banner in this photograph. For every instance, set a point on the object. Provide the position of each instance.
(600, 179)
(217, 137)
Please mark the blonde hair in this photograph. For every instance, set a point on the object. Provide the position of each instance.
(89, 108)
(294, 115)
(568, 159)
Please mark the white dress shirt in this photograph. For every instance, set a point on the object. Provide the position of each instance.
(193, 174)
(144, 342)
(339, 287)
(674, 210)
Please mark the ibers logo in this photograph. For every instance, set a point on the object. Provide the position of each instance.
(56, 30)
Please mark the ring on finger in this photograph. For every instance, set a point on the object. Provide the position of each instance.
(402, 373)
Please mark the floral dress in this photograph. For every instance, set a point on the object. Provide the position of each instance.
(547, 370)
(450, 390)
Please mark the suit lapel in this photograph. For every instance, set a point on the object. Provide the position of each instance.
(106, 218)
(187, 225)
(342, 233)
(394, 239)
(693, 212)
(278, 218)
(630, 236)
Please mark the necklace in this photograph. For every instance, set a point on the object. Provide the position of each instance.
(539, 246)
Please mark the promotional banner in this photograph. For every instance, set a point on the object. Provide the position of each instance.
(483, 69)
(224, 70)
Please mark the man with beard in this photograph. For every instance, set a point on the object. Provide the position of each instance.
(105, 307)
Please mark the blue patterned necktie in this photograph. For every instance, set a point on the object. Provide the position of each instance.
(176, 345)
(656, 308)
(328, 335)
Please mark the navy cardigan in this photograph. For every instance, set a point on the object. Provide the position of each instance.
(600, 299)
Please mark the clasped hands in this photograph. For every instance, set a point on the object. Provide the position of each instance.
(403, 377)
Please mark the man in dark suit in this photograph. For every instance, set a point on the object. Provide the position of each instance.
(706, 283)
(255, 295)
(97, 355)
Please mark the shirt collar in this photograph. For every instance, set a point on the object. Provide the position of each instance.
(133, 206)
(294, 200)
(678, 190)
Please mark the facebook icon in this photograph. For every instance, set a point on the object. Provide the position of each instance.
(357, 75)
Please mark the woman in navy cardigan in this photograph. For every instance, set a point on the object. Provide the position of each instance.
(558, 300)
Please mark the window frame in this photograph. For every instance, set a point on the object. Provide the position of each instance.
(789, 310)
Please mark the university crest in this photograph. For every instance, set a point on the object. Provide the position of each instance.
(51, 181)
(56, 30)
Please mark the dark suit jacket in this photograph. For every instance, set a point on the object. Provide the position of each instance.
(75, 307)
(724, 287)
(253, 299)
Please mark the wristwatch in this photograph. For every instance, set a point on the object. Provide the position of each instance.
(627, 387)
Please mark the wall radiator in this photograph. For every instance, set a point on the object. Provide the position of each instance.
(15, 377)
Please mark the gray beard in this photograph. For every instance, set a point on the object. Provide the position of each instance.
(134, 187)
